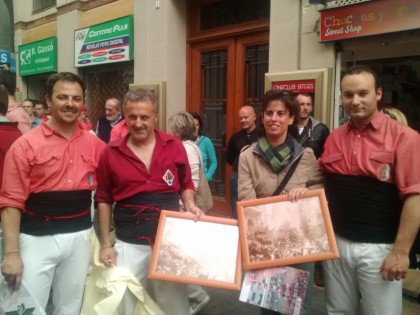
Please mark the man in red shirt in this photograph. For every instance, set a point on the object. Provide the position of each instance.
(8, 130)
(142, 173)
(373, 192)
(15, 112)
(45, 201)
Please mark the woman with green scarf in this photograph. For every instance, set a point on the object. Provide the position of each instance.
(264, 164)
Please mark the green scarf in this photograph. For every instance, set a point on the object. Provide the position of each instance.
(279, 157)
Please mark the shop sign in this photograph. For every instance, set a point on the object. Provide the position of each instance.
(369, 18)
(38, 57)
(108, 42)
(7, 60)
(297, 86)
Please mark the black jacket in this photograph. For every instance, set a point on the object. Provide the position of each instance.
(313, 135)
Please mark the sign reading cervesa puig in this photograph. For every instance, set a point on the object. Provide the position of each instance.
(107, 42)
(38, 57)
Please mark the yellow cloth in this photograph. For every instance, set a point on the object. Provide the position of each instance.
(105, 288)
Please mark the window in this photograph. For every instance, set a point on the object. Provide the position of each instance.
(40, 5)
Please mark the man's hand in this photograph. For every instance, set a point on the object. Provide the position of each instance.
(107, 257)
(395, 267)
(12, 269)
(196, 211)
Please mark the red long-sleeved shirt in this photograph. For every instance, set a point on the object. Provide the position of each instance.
(121, 174)
(42, 160)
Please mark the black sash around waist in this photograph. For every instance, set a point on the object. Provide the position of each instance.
(136, 218)
(363, 209)
(56, 212)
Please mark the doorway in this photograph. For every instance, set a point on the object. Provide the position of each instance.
(224, 75)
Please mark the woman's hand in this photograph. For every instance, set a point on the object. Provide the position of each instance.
(297, 193)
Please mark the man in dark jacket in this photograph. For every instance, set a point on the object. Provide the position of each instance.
(113, 115)
(308, 131)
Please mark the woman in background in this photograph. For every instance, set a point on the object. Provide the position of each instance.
(182, 126)
(206, 148)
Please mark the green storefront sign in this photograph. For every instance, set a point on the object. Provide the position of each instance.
(38, 57)
(107, 42)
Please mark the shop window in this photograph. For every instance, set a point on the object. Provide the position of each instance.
(40, 5)
(37, 86)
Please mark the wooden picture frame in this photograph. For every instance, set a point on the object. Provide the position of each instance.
(204, 252)
(276, 232)
(159, 88)
(315, 82)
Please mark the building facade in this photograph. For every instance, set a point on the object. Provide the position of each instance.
(214, 56)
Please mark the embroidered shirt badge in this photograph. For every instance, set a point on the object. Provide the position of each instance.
(383, 172)
(89, 178)
(168, 177)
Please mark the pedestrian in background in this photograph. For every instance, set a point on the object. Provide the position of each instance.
(9, 132)
(113, 115)
(247, 135)
(206, 148)
(373, 194)
(182, 126)
(309, 132)
(29, 106)
(15, 111)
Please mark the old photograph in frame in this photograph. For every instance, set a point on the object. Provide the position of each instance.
(277, 232)
(204, 252)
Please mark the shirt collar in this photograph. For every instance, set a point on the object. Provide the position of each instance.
(48, 131)
(161, 138)
(374, 123)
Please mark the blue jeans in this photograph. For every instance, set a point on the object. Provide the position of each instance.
(234, 193)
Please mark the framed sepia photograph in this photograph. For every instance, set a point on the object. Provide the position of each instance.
(276, 232)
(204, 252)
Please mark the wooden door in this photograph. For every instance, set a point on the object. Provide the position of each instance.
(224, 75)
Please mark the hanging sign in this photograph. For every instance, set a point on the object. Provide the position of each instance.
(38, 57)
(296, 86)
(108, 42)
(369, 18)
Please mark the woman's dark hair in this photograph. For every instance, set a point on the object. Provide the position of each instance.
(4, 100)
(200, 121)
(285, 96)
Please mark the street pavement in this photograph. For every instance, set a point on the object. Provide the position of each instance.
(224, 302)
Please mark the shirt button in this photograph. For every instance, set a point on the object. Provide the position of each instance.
(69, 180)
(354, 152)
(358, 136)
(71, 161)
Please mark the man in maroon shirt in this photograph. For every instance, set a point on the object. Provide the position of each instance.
(142, 173)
